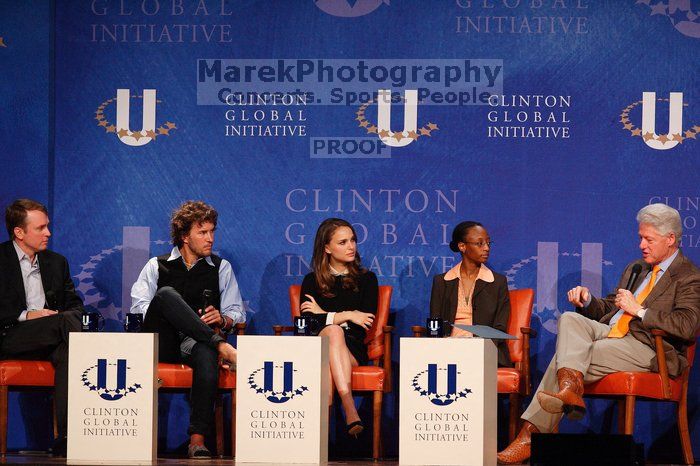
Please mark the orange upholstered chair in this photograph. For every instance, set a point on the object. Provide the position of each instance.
(178, 377)
(375, 378)
(626, 387)
(514, 381)
(27, 374)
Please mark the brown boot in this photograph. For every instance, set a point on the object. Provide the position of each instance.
(519, 450)
(569, 400)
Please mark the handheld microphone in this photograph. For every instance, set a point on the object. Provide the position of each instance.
(636, 270)
(51, 300)
(206, 300)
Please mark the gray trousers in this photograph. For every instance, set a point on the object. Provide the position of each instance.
(582, 345)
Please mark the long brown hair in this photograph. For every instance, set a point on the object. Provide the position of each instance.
(320, 262)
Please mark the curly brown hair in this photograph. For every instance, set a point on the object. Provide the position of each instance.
(189, 214)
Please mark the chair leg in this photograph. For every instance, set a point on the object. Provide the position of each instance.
(3, 420)
(629, 414)
(621, 416)
(377, 423)
(514, 417)
(684, 431)
(233, 423)
(219, 421)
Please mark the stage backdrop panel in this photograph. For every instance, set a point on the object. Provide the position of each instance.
(551, 122)
(26, 100)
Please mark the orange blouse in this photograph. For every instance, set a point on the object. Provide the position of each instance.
(464, 306)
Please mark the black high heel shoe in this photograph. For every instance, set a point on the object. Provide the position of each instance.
(355, 428)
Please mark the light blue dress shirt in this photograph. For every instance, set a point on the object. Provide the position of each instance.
(31, 278)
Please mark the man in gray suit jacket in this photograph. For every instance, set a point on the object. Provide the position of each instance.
(613, 334)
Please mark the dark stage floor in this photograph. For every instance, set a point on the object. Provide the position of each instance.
(40, 460)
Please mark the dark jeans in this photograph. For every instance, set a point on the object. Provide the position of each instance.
(45, 338)
(173, 319)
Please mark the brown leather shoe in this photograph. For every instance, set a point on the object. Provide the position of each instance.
(519, 450)
(569, 400)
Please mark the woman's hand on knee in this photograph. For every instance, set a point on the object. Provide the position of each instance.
(363, 319)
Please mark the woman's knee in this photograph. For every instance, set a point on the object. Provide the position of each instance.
(334, 332)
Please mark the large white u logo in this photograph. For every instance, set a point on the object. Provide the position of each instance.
(410, 117)
(138, 138)
(675, 121)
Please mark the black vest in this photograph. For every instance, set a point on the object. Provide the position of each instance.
(191, 283)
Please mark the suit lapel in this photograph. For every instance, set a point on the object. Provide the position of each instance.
(16, 273)
(479, 285)
(665, 281)
(44, 267)
(452, 288)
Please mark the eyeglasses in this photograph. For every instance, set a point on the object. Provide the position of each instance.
(480, 244)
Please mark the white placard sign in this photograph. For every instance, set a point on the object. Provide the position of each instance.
(282, 386)
(112, 398)
(447, 401)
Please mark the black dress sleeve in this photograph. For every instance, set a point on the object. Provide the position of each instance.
(369, 290)
(308, 286)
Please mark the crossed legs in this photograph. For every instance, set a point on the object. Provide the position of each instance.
(584, 350)
(184, 337)
(341, 362)
(46, 338)
(583, 346)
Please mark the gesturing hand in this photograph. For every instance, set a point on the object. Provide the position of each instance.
(311, 306)
(578, 296)
(363, 319)
(212, 317)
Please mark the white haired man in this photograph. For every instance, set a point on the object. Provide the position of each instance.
(613, 334)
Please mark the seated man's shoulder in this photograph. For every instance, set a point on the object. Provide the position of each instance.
(218, 261)
(52, 255)
(688, 267)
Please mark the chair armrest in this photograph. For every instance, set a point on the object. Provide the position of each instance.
(239, 328)
(661, 360)
(525, 363)
(279, 329)
(418, 331)
(388, 329)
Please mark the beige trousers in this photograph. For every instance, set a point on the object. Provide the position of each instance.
(583, 345)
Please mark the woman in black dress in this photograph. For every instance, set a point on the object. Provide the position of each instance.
(346, 293)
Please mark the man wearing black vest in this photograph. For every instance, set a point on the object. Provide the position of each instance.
(190, 297)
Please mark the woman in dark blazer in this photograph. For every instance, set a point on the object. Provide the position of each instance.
(470, 293)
